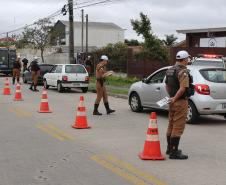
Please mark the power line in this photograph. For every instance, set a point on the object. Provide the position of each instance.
(58, 12)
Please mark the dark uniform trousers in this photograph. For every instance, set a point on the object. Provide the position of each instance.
(177, 118)
(34, 76)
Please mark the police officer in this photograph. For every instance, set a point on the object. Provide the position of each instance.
(35, 69)
(25, 62)
(101, 73)
(177, 83)
(16, 70)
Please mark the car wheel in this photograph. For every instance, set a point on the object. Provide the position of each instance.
(84, 89)
(135, 103)
(59, 87)
(192, 113)
(46, 86)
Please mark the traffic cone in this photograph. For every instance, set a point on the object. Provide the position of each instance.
(18, 94)
(44, 105)
(152, 149)
(81, 119)
(6, 90)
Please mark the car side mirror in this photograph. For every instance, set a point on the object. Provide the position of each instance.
(144, 80)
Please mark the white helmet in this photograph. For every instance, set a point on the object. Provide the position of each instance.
(104, 57)
(35, 58)
(182, 55)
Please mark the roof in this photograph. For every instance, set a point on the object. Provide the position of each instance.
(202, 30)
(107, 25)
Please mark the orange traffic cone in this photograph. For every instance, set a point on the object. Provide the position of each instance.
(6, 90)
(152, 149)
(18, 94)
(44, 105)
(81, 120)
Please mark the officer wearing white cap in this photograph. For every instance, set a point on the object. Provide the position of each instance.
(177, 83)
(101, 74)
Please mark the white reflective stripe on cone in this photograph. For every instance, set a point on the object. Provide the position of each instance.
(81, 104)
(17, 90)
(44, 100)
(153, 124)
(152, 138)
(79, 113)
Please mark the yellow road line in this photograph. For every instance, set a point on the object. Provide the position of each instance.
(19, 112)
(54, 131)
(131, 178)
(60, 132)
(46, 130)
(134, 170)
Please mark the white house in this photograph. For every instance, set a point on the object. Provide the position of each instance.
(99, 34)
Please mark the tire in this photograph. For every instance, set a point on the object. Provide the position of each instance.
(225, 116)
(84, 89)
(135, 103)
(192, 113)
(60, 89)
(46, 86)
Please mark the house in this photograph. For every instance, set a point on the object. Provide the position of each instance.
(201, 41)
(99, 34)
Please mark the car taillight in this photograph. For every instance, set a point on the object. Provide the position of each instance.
(87, 78)
(202, 89)
(64, 78)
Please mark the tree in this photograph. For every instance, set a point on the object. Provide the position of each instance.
(38, 35)
(153, 47)
(170, 40)
(132, 42)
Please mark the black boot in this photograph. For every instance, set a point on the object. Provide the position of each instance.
(31, 87)
(109, 111)
(95, 111)
(35, 88)
(175, 153)
(14, 80)
(169, 147)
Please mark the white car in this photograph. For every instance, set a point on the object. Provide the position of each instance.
(67, 76)
(209, 97)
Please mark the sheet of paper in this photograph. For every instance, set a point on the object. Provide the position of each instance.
(163, 101)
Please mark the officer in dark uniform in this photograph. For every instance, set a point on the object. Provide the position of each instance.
(101, 73)
(35, 70)
(177, 84)
(16, 70)
(25, 62)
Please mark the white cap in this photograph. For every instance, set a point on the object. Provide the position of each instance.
(182, 55)
(104, 57)
(35, 58)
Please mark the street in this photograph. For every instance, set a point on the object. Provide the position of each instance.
(43, 148)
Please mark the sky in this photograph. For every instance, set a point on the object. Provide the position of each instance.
(166, 16)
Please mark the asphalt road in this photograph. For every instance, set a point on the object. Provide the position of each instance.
(43, 149)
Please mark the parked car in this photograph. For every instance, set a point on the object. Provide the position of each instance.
(209, 97)
(67, 76)
(44, 68)
(209, 60)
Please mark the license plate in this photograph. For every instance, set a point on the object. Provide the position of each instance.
(76, 84)
(223, 105)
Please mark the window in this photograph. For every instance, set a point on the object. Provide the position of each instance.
(158, 77)
(53, 70)
(214, 75)
(58, 69)
(74, 69)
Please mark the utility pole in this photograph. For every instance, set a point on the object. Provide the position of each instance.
(82, 46)
(87, 34)
(71, 32)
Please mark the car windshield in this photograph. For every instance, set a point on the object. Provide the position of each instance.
(216, 63)
(46, 68)
(214, 75)
(74, 69)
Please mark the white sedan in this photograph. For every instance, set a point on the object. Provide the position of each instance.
(67, 76)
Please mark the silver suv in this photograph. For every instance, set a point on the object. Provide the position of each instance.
(209, 97)
(209, 60)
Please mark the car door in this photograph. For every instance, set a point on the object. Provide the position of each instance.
(153, 89)
(57, 75)
(49, 76)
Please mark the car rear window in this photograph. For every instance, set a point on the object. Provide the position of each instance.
(216, 63)
(214, 75)
(46, 68)
(74, 69)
